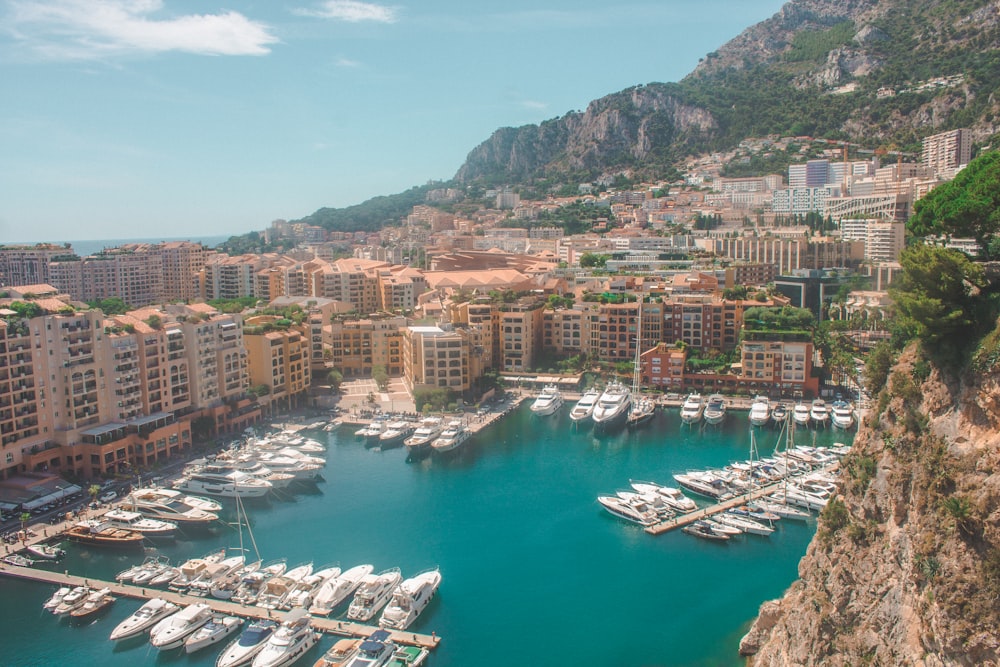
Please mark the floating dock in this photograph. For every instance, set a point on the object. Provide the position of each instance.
(329, 626)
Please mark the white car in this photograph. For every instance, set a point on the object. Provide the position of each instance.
(107, 496)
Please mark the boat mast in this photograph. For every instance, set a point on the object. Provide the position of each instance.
(638, 349)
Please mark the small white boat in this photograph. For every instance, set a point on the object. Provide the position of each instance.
(548, 401)
(779, 413)
(171, 632)
(395, 433)
(672, 496)
(251, 641)
(373, 593)
(95, 603)
(45, 551)
(218, 628)
(705, 531)
(693, 408)
(336, 590)
(18, 560)
(276, 589)
(409, 599)
(293, 638)
(57, 598)
(585, 406)
(146, 616)
(302, 594)
(338, 654)
(715, 409)
(641, 411)
(745, 524)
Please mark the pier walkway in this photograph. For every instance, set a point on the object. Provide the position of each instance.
(682, 520)
(330, 626)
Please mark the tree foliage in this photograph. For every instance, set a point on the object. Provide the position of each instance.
(593, 260)
(784, 318)
(110, 306)
(967, 206)
(934, 294)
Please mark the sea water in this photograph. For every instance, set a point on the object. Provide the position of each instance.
(534, 571)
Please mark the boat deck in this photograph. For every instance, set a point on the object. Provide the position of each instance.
(330, 626)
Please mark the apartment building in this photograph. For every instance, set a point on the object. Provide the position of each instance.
(705, 322)
(884, 240)
(788, 255)
(357, 346)
(226, 277)
(777, 363)
(482, 316)
(520, 334)
(28, 264)
(182, 262)
(133, 273)
(277, 362)
(436, 357)
(945, 152)
(352, 281)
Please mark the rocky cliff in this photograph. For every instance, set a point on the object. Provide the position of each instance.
(878, 71)
(905, 566)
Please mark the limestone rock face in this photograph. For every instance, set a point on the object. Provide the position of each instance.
(909, 572)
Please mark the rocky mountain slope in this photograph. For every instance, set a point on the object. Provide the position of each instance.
(905, 567)
(879, 71)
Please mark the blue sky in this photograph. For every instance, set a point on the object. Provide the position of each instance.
(140, 118)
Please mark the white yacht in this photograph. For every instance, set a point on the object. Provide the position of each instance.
(336, 590)
(152, 528)
(642, 410)
(226, 484)
(192, 568)
(302, 593)
(613, 405)
(289, 642)
(715, 409)
(278, 588)
(672, 496)
(800, 414)
(693, 408)
(218, 628)
(248, 464)
(426, 432)
(171, 632)
(374, 591)
(169, 505)
(760, 411)
(146, 616)
(624, 510)
(842, 415)
(375, 651)
(548, 401)
(451, 438)
(745, 524)
(70, 601)
(585, 406)
(779, 413)
(395, 433)
(409, 599)
(56, 598)
(251, 641)
(819, 413)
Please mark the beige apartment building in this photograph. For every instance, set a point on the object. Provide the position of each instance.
(278, 360)
(435, 357)
(359, 345)
(28, 264)
(520, 330)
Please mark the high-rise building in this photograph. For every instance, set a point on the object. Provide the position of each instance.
(945, 152)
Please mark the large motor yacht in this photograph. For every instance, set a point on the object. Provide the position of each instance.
(715, 410)
(171, 632)
(226, 484)
(169, 505)
(144, 618)
(548, 401)
(290, 641)
(613, 406)
(693, 408)
(151, 528)
(842, 415)
(336, 590)
(585, 406)
(374, 591)
(427, 431)
(800, 414)
(760, 411)
(451, 438)
(409, 599)
(819, 413)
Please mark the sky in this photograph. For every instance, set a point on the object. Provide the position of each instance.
(145, 118)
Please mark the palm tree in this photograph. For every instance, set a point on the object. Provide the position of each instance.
(25, 517)
(93, 491)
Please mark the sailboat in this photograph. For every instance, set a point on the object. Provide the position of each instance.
(224, 587)
(643, 408)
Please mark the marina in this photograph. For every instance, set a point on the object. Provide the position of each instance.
(378, 506)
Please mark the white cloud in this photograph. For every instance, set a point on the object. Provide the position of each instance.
(351, 11)
(347, 63)
(532, 104)
(85, 29)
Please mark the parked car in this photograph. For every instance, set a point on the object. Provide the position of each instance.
(107, 496)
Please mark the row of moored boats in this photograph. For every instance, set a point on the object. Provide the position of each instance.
(430, 434)
(616, 405)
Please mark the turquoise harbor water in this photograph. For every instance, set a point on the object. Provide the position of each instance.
(534, 570)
